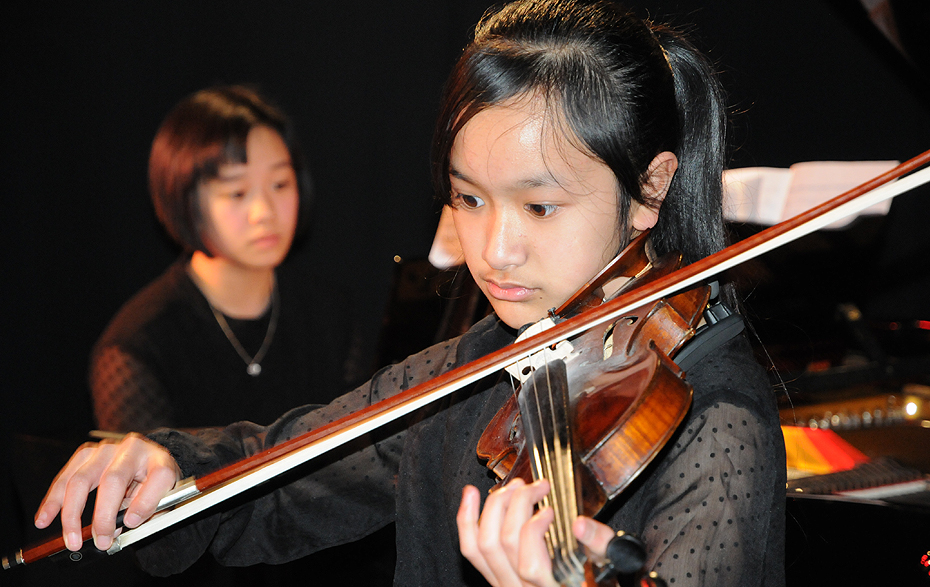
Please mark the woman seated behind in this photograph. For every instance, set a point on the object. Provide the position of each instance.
(221, 335)
(566, 128)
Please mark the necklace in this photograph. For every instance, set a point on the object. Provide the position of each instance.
(253, 364)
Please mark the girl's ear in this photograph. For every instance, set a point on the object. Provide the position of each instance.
(658, 179)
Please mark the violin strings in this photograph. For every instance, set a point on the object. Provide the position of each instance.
(541, 464)
(556, 464)
(566, 472)
(554, 535)
(532, 424)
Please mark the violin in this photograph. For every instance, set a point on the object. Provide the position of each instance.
(193, 496)
(591, 418)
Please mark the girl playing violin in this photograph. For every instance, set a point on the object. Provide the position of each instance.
(567, 127)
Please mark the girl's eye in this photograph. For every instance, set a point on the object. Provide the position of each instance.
(468, 202)
(237, 194)
(281, 185)
(541, 210)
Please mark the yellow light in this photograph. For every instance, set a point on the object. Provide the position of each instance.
(911, 409)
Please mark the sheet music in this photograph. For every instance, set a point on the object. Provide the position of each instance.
(446, 251)
(769, 195)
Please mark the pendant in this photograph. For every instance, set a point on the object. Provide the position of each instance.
(254, 369)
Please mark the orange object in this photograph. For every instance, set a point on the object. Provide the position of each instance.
(819, 451)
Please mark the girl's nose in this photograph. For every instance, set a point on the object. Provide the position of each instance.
(262, 207)
(505, 246)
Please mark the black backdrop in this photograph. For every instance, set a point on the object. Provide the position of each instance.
(84, 86)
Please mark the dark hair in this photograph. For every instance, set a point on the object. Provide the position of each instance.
(202, 133)
(628, 90)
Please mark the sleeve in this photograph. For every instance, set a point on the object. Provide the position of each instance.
(711, 510)
(126, 395)
(332, 500)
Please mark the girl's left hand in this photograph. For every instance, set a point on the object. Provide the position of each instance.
(507, 544)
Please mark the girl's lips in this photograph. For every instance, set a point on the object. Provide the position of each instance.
(267, 242)
(508, 292)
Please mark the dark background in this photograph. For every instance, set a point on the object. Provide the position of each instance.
(85, 85)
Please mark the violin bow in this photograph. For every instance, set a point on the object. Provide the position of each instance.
(193, 496)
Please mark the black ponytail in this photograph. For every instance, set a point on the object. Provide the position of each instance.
(691, 218)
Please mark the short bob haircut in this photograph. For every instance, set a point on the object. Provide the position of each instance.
(202, 133)
(621, 89)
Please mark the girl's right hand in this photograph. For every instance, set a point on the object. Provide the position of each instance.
(134, 473)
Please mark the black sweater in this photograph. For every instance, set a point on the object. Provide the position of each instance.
(164, 360)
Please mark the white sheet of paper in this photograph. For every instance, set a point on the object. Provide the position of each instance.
(768, 195)
(446, 251)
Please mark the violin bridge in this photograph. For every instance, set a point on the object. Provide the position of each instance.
(523, 369)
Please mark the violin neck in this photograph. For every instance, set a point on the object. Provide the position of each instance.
(544, 408)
